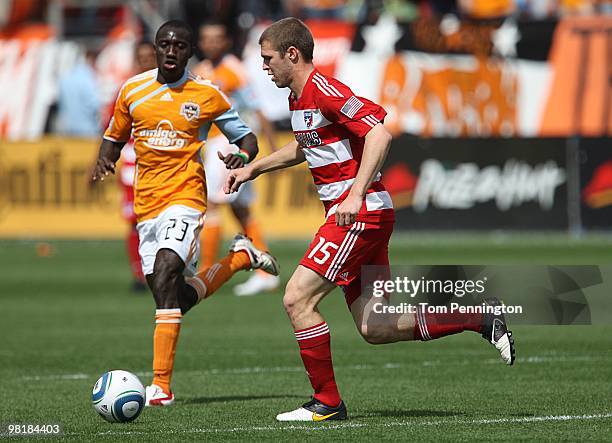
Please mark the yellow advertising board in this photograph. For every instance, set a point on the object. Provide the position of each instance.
(45, 193)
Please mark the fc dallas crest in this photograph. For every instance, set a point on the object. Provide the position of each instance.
(308, 118)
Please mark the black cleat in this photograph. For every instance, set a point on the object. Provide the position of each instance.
(314, 410)
(495, 331)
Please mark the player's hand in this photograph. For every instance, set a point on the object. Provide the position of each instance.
(237, 177)
(102, 168)
(232, 161)
(347, 211)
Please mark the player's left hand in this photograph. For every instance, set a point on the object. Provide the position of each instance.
(232, 161)
(347, 211)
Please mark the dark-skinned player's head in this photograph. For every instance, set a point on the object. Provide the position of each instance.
(285, 44)
(173, 48)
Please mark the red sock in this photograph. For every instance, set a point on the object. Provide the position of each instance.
(315, 351)
(429, 326)
(132, 250)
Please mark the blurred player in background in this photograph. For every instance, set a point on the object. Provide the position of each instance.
(227, 72)
(79, 103)
(165, 109)
(342, 138)
(144, 60)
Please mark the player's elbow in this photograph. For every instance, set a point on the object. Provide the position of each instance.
(385, 137)
(379, 137)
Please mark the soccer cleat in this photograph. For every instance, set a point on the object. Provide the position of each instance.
(256, 284)
(314, 410)
(155, 396)
(495, 331)
(259, 259)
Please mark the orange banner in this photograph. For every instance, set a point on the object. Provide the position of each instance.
(580, 99)
(448, 99)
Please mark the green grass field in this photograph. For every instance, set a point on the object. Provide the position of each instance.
(69, 317)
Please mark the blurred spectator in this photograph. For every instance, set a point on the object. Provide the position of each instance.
(79, 102)
(226, 71)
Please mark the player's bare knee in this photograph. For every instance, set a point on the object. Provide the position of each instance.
(290, 303)
(294, 301)
(373, 336)
(372, 330)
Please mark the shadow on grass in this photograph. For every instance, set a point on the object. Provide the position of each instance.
(407, 414)
(232, 398)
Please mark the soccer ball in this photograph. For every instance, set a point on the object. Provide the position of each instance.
(118, 396)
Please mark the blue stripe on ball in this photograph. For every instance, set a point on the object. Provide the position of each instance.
(120, 402)
(97, 396)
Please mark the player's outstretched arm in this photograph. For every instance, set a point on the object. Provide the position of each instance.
(108, 155)
(289, 155)
(375, 149)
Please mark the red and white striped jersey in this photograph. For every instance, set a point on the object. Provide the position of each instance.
(330, 124)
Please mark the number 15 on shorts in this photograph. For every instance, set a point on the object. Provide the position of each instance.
(322, 251)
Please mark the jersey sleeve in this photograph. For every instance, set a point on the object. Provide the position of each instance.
(120, 126)
(338, 104)
(232, 126)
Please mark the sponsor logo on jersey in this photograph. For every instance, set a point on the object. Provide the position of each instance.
(190, 110)
(163, 137)
(308, 139)
(308, 118)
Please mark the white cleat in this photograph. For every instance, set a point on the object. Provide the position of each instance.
(314, 411)
(495, 331)
(299, 414)
(155, 396)
(259, 259)
(256, 284)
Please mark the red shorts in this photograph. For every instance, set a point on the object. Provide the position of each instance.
(338, 253)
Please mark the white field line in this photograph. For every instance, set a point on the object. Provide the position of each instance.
(238, 371)
(534, 359)
(349, 425)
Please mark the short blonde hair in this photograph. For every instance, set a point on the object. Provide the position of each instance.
(289, 32)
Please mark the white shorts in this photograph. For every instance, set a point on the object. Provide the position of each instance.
(216, 174)
(177, 228)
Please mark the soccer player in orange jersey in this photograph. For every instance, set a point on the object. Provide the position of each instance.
(166, 109)
(226, 71)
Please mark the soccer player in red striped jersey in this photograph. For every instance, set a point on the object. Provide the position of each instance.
(342, 138)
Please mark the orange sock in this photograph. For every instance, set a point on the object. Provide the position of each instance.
(254, 233)
(210, 239)
(167, 327)
(211, 279)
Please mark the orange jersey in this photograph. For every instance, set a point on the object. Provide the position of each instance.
(229, 75)
(165, 121)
